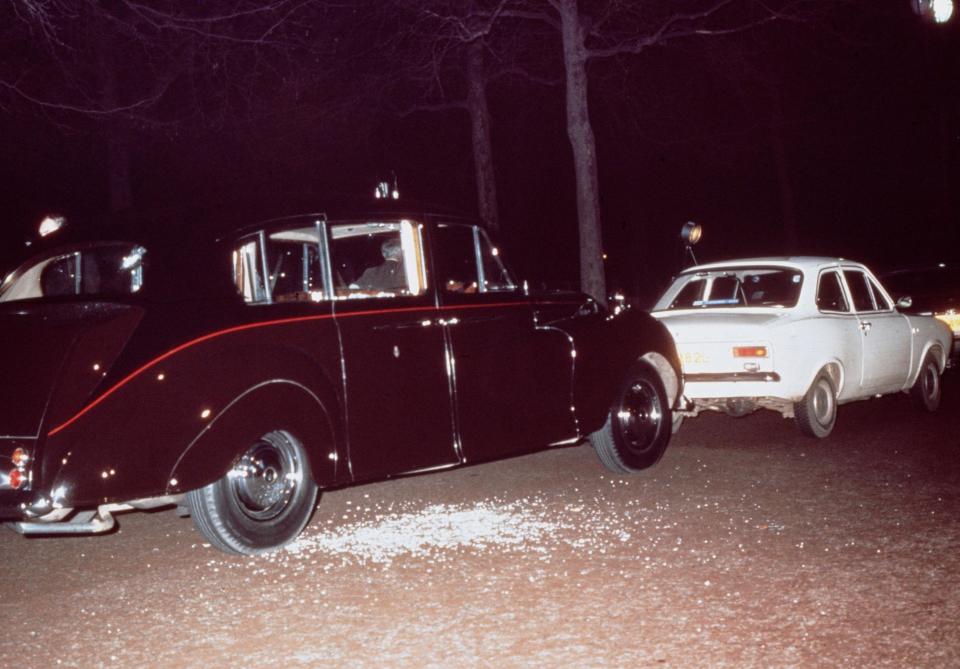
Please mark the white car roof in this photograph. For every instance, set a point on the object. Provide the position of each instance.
(804, 263)
(809, 266)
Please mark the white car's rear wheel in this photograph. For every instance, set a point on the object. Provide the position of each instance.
(925, 392)
(816, 413)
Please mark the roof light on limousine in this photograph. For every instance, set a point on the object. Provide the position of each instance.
(387, 190)
(51, 224)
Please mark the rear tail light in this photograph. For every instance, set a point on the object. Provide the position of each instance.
(18, 476)
(749, 351)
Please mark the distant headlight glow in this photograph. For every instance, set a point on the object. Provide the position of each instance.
(952, 319)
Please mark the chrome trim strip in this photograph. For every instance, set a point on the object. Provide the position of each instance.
(435, 468)
(734, 377)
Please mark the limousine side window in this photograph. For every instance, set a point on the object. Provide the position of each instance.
(495, 276)
(280, 266)
(377, 259)
(456, 257)
(467, 262)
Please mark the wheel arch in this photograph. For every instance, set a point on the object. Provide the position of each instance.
(668, 375)
(834, 370)
(938, 353)
(606, 350)
(275, 404)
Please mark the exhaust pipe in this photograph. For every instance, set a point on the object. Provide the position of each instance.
(91, 521)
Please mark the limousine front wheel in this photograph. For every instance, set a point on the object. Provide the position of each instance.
(262, 503)
(638, 424)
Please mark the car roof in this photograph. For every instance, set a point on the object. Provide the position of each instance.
(185, 227)
(796, 262)
(355, 215)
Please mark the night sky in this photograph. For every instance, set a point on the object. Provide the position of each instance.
(864, 104)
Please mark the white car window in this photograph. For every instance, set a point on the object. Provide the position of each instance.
(859, 290)
(830, 295)
(878, 297)
(776, 287)
(690, 294)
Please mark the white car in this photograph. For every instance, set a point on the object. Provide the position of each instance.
(799, 336)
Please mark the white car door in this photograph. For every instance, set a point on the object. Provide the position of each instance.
(839, 330)
(885, 334)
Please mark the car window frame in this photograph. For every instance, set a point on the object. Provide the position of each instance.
(841, 283)
(481, 241)
(260, 237)
(38, 264)
(879, 291)
(416, 271)
(872, 289)
(478, 238)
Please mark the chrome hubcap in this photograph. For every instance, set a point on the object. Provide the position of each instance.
(265, 479)
(930, 381)
(640, 417)
(822, 403)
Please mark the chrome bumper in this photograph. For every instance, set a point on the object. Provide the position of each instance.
(728, 377)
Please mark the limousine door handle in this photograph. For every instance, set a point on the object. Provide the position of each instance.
(448, 321)
(865, 326)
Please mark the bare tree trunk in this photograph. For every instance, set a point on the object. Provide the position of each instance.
(480, 135)
(583, 144)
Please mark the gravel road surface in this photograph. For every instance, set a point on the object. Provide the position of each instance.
(746, 546)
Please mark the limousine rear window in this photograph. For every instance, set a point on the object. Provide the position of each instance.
(106, 269)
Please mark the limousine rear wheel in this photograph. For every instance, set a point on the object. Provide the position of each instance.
(638, 424)
(925, 391)
(816, 413)
(262, 503)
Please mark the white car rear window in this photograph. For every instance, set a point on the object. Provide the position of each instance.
(740, 287)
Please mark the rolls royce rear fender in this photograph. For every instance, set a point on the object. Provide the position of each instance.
(606, 348)
(277, 404)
